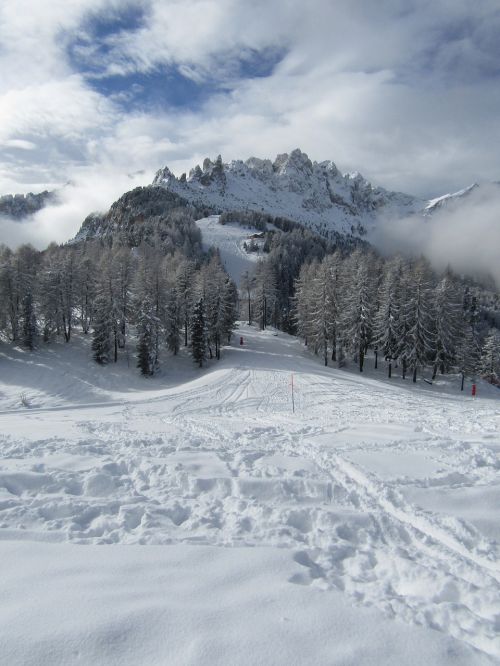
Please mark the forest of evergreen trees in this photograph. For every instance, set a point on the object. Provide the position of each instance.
(350, 301)
(111, 292)
(138, 275)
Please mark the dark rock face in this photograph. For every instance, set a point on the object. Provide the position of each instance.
(20, 206)
(146, 214)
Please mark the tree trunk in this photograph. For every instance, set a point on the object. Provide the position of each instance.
(361, 358)
(376, 359)
(434, 371)
(390, 369)
(404, 368)
(463, 381)
(415, 375)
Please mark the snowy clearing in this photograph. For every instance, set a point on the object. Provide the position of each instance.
(229, 239)
(359, 529)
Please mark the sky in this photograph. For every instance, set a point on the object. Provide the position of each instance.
(102, 93)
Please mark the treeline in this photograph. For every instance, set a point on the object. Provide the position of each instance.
(114, 292)
(345, 304)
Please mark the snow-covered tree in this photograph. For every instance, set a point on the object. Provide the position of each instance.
(388, 325)
(173, 321)
(420, 338)
(198, 333)
(448, 322)
(490, 357)
(147, 324)
(266, 295)
(102, 327)
(29, 323)
(358, 305)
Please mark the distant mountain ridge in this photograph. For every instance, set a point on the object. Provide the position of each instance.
(315, 194)
(20, 206)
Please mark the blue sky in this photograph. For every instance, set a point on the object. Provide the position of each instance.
(104, 92)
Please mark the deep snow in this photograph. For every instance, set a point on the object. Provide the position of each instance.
(358, 530)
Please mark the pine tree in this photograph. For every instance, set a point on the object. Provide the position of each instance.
(101, 344)
(420, 336)
(147, 326)
(303, 301)
(387, 328)
(323, 310)
(247, 287)
(490, 358)
(173, 321)
(266, 295)
(198, 333)
(447, 309)
(469, 355)
(29, 323)
(184, 288)
(358, 306)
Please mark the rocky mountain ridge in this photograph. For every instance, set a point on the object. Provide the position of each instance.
(315, 194)
(19, 206)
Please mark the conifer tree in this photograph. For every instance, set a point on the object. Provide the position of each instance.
(102, 325)
(420, 335)
(387, 328)
(173, 321)
(490, 358)
(198, 333)
(447, 309)
(358, 307)
(29, 323)
(147, 326)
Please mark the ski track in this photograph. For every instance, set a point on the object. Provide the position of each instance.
(225, 462)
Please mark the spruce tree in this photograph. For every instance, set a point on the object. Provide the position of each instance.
(447, 311)
(420, 336)
(198, 333)
(29, 323)
(387, 327)
(490, 357)
(101, 344)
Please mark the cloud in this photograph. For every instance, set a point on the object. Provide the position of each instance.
(406, 91)
(464, 234)
(94, 191)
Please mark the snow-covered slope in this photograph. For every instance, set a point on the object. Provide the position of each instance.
(447, 199)
(370, 493)
(230, 240)
(312, 193)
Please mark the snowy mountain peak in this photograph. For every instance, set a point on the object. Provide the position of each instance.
(446, 199)
(315, 194)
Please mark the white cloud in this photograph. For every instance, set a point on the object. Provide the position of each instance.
(404, 90)
(465, 235)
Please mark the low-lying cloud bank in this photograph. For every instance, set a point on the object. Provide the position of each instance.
(464, 233)
(94, 191)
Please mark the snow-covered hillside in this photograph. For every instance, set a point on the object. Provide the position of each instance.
(359, 528)
(312, 193)
(230, 240)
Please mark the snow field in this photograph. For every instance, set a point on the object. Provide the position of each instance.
(361, 491)
(229, 240)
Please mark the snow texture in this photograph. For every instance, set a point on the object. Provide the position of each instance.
(359, 529)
